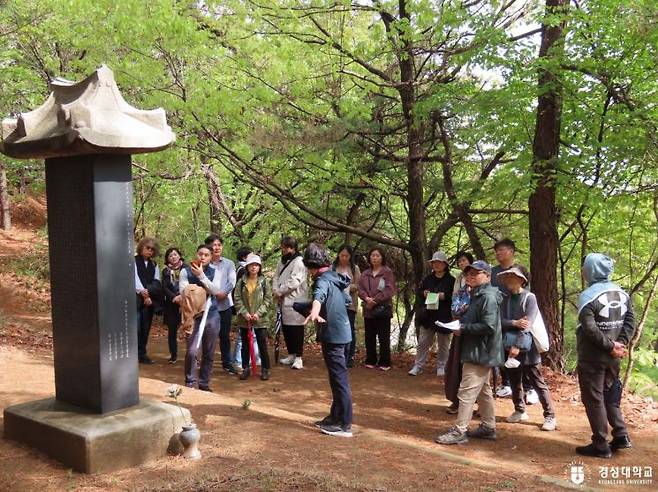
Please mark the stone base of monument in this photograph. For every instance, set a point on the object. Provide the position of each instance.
(95, 443)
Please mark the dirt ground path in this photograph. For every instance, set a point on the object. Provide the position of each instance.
(273, 445)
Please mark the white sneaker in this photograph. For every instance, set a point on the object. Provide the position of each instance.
(441, 370)
(297, 364)
(504, 392)
(550, 424)
(531, 397)
(288, 360)
(517, 417)
(415, 371)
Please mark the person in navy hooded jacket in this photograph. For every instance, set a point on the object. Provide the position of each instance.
(605, 327)
(329, 312)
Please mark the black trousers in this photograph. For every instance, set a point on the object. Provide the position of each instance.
(350, 349)
(341, 406)
(378, 329)
(144, 320)
(261, 340)
(517, 378)
(600, 392)
(172, 338)
(294, 337)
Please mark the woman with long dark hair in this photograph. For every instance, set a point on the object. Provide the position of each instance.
(376, 290)
(171, 310)
(345, 265)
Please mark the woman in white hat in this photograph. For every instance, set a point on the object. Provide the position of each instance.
(518, 313)
(253, 303)
(435, 300)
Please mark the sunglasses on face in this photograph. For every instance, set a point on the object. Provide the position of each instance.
(150, 248)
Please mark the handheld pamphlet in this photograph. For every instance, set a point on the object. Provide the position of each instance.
(453, 325)
(432, 301)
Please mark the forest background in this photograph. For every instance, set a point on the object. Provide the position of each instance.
(415, 125)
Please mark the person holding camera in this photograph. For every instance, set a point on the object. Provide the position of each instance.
(200, 273)
(605, 327)
(376, 290)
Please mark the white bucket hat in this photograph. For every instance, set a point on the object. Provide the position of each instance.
(252, 258)
(439, 256)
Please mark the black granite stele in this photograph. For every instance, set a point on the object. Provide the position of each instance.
(87, 132)
(90, 232)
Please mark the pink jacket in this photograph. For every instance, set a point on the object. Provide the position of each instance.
(381, 287)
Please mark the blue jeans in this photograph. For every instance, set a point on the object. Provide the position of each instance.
(341, 406)
(225, 337)
(237, 353)
(207, 347)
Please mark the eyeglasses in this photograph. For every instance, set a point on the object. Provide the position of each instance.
(150, 248)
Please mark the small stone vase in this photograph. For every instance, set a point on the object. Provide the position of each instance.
(189, 438)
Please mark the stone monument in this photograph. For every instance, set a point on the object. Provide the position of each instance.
(86, 133)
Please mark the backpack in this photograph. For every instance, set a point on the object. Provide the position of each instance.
(538, 329)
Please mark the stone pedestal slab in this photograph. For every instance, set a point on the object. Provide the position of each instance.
(92, 443)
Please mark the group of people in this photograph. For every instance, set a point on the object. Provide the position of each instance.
(486, 323)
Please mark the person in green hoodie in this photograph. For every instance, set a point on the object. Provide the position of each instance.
(481, 350)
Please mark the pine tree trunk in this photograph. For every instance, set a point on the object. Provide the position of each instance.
(543, 216)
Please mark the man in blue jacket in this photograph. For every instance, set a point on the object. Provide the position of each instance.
(329, 312)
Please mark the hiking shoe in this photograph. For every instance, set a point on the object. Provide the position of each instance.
(517, 417)
(441, 370)
(550, 423)
(145, 360)
(337, 430)
(593, 451)
(245, 374)
(297, 364)
(230, 370)
(205, 388)
(327, 421)
(453, 409)
(504, 392)
(384, 368)
(264, 374)
(287, 361)
(618, 443)
(531, 397)
(415, 371)
(453, 436)
(482, 432)
(172, 360)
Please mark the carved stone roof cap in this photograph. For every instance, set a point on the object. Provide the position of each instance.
(87, 117)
